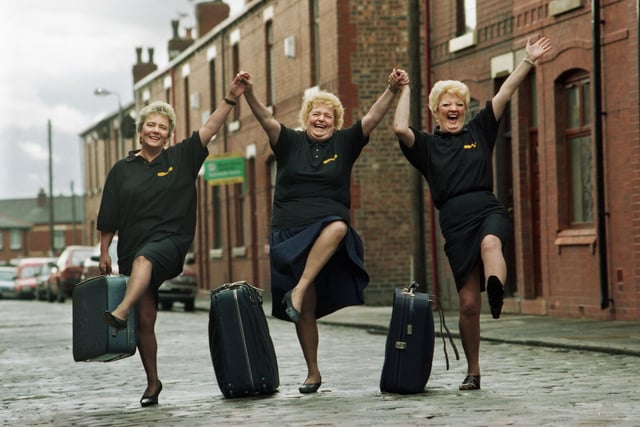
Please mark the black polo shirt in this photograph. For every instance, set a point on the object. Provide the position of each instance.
(313, 179)
(145, 202)
(455, 164)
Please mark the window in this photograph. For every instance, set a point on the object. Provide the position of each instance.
(236, 69)
(217, 216)
(59, 242)
(269, 50)
(314, 49)
(465, 16)
(238, 199)
(577, 151)
(213, 93)
(187, 107)
(15, 242)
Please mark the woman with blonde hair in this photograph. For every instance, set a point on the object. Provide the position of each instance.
(456, 162)
(316, 256)
(149, 200)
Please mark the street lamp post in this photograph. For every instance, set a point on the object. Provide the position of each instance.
(104, 92)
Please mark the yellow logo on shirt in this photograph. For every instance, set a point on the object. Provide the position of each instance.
(167, 172)
(470, 146)
(330, 159)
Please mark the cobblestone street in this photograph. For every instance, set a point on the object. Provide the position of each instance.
(521, 385)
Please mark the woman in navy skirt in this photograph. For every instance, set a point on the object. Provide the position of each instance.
(456, 162)
(316, 256)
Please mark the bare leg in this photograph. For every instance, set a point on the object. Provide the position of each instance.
(137, 286)
(493, 258)
(321, 252)
(307, 329)
(469, 321)
(495, 270)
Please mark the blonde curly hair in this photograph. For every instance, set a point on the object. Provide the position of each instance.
(453, 87)
(327, 99)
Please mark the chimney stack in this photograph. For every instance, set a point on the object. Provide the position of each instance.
(209, 14)
(143, 69)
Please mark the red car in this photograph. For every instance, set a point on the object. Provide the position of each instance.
(68, 270)
(28, 270)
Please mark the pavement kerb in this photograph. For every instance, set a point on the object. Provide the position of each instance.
(606, 336)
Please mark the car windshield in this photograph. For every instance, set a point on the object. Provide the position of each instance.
(78, 257)
(30, 271)
(7, 274)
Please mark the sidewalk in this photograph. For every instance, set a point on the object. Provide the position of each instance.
(606, 336)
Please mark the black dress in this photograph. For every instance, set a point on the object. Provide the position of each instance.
(458, 169)
(313, 184)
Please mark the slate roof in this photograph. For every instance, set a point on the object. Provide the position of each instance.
(24, 213)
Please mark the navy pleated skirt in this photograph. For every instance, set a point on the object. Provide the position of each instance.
(339, 284)
(465, 220)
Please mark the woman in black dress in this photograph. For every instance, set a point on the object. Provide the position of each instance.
(149, 200)
(316, 256)
(456, 162)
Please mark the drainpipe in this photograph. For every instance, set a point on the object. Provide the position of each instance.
(599, 152)
(419, 272)
(432, 214)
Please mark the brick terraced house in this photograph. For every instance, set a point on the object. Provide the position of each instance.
(567, 160)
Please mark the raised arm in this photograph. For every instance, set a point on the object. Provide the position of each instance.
(216, 120)
(270, 125)
(374, 116)
(533, 51)
(401, 118)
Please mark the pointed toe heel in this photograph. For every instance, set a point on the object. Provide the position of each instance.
(495, 294)
(307, 388)
(291, 311)
(116, 323)
(152, 399)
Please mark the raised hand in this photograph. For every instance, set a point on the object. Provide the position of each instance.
(538, 48)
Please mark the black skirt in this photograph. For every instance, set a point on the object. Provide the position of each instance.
(166, 257)
(339, 284)
(465, 220)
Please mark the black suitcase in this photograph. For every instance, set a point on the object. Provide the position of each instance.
(410, 343)
(92, 337)
(242, 352)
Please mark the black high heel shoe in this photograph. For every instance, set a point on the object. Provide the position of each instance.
(309, 387)
(291, 311)
(152, 399)
(495, 294)
(114, 322)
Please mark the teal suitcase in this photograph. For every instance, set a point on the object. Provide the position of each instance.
(92, 337)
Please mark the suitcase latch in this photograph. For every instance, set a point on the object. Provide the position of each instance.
(401, 345)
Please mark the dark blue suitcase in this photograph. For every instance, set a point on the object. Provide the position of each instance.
(410, 342)
(242, 352)
(92, 337)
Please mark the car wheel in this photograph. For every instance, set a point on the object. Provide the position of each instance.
(189, 305)
(49, 295)
(166, 305)
(61, 296)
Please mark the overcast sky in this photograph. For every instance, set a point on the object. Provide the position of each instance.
(55, 54)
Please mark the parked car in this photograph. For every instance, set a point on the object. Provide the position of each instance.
(8, 281)
(182, 289)
(26, 276)
(90, 266)
(43, 288)
(68, 270)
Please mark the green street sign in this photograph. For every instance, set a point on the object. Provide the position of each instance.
(224, 169)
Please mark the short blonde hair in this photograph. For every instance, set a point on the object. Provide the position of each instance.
(453, 87)
(327, 99)
(157, 107)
